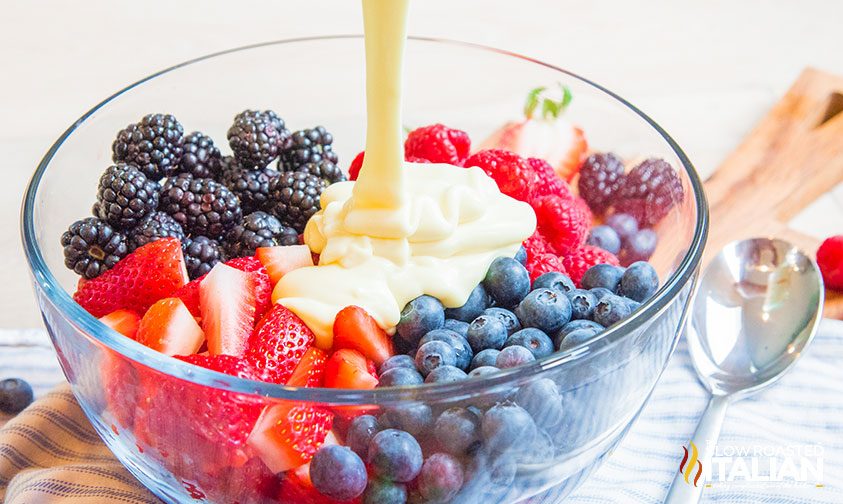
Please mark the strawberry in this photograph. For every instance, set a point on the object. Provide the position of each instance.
(121, 386)
(278, 344)
(356, 329)
(563, 222)
(152, 272)
(263, 284)
(438, 143)
(189, 295)
(288, 434)
(830, 261)
(349, 369)
(578, 262)
(123, 321)
(169, 328)
(280, 260)
(513, 174)
(227, 300)
(310, 370)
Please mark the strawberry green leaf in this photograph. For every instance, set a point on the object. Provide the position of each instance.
(532, 101)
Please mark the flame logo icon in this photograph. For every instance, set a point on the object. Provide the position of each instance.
(686, 467)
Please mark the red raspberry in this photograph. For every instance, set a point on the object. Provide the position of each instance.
(650, 190)
(601, 177)
(539, 264)
(563, 222)
(357, 163)
(438, 144)
(577, 263)
(549, 183)
(830, 261)
(536, 244)
(513, 174)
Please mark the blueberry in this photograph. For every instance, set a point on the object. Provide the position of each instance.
(458, 326)
(486, 332)
(582, 303)
(578, 324)
(446, 374)
(420, 316)
(462, 350)
(502, 472)
(541, 399)
(360, 432)
(483, 371)
(611, 309)
(521, 255)
(396, 361)
(604, 237)
(484, 358)
(602, 275)
(534, 340)
(570, 340)
(623, 224)
(15, 395)
(385, 492)
(510, 321)
(507, 281)
(433, 354)
(400, 377)
(507, 427)
(599, 292)
(414, 418)
(545, 309)
(441, 477)
(639, 282)
(639, 247)
(554, 280)
(457, 430)
(513, 356)
(395, 455)
(477, 301)
(338, 473)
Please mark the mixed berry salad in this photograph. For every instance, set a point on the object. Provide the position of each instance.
(185, 246)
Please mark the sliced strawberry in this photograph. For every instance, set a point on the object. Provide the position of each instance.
(280, 340)
(169, 327)
(263, 285)
(356, 329)
(349, 369)
(123, 321)
(280, 260)
(121, 385)
(310, 370)
(288, 434)
(227, 299)
(189, 294)
(152, 272)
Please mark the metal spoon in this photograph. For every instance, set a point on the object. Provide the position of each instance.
(758, 307)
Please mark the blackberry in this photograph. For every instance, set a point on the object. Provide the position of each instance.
(258, 229)
(601, 176)
(257, 137)
(125, 196)
(153, 227)
(308, 146)
(154, 145)
(92, 247)
(200, 255)
(251, 186)
(202, 206)
(650, 190)
(295, 198)
(201, 158)
(327, 171)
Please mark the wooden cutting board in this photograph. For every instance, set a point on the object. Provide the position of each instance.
(793, 156)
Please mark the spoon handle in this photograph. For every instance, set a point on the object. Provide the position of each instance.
(690, 480)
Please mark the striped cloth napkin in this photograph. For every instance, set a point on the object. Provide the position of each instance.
(49, 453)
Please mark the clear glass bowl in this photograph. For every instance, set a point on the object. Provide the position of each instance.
(138, 399)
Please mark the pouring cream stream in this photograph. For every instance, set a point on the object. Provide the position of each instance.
(402, 229)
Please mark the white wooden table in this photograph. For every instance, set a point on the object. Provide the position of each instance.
(705, 69)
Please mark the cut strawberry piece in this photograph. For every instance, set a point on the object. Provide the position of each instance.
(123, 321)
(280, 340)
(349, 369)
(189, 294)
(263, 285)
(152, 272)
(310, 370)
(227, 299)
(280, 260)
(356, 329)
(287, 435)
(169, 328)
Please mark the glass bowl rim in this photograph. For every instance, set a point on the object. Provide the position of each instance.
(83, 321)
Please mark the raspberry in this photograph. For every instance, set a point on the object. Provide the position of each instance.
(577, 263)
(513, 174)
(601, 176)
(438, 144)
(649, 192)
(539, 264)
(563, 222)
(549, 183)
(830, 261)
(536, 244)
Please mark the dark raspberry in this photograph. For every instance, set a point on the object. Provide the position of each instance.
(650, 190)
(438, 143)
(125, 196)
(327, 171)
(257, 137)
(308, 146)
(251, 186)
(92, 247)
(258, 229)
(601, 176)
(295, 198)
(201, 158)
(200, 255)
(202, 206)
(153, 227)
(154, 145)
